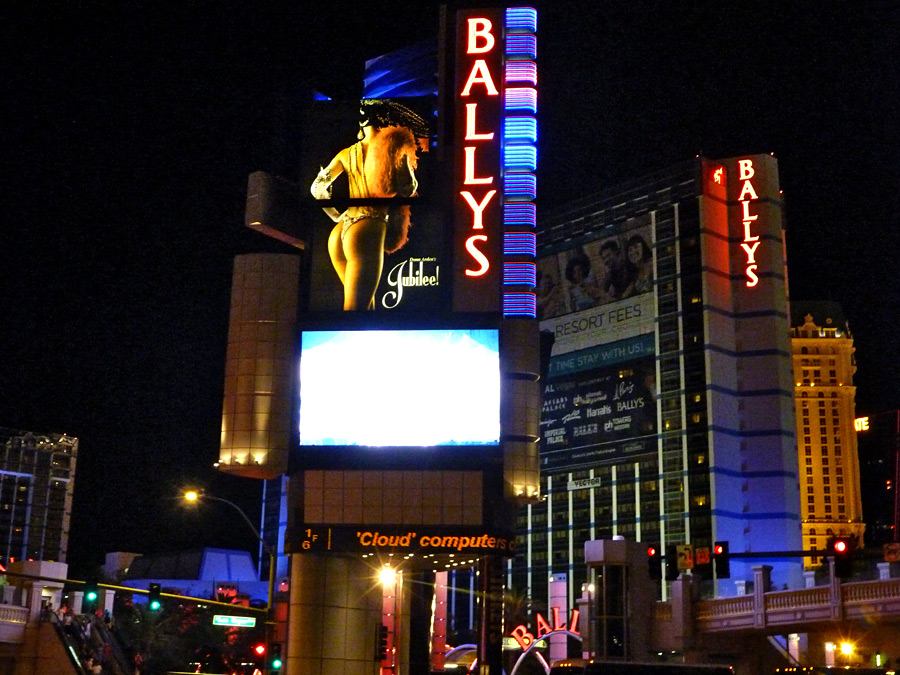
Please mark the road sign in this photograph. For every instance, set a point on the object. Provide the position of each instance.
(891, 552)
(685, 556)
(239, 621)
(701, 555)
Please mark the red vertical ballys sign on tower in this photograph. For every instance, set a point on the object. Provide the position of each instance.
(478, 200)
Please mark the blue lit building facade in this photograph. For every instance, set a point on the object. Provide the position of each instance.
(668, 414)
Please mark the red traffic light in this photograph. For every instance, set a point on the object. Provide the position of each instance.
(651, 551)
(841, 546)
(259, 650)
(718, 549)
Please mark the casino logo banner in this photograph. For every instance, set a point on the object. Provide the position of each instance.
(601, 415)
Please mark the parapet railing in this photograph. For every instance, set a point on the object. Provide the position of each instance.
(800, 607)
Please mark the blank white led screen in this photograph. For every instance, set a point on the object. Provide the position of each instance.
(400, 387)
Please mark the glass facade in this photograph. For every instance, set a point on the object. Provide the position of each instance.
(635, 444)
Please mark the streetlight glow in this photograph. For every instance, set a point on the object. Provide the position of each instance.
(387, 575)
(193, 496)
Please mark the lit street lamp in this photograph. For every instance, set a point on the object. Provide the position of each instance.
(193, 496)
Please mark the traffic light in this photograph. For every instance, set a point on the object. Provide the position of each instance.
(654, 562)
(275, 661)
(721, 560)
(91, 590)
(154, 600)
(381, 642)
(671, 562)
(843, 557)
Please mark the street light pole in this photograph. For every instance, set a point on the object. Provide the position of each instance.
(193, 496)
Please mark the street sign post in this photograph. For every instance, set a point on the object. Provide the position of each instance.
(238, 621)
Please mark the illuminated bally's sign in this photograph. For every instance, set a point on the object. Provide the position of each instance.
(751, 241)
(496, 135)
(861, 423)
(479, 42)
(525, 639)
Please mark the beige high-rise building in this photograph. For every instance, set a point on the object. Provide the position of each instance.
(825, 399)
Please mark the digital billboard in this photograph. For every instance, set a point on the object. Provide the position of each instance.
(400, 388)
(595, 295)
(377, 227)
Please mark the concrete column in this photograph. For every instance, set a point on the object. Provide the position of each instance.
(77, 602)
(35, 597)
(740, 586)
(9, 594)
(809, 579)
(439, 630)
(762, 583)
(884, 571)
(683, 611)
(837, 608)
(585, 607)
(335, 606)
(798, 647)
(559, 598)
(106, 600)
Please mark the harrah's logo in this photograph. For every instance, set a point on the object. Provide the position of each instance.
(479, 83)
(751, 241)
(412, 272)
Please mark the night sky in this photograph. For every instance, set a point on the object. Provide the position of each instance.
(129, 130)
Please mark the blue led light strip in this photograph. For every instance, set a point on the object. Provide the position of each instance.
(520, 162)
(520, 158)
(520, 274)
(521, 71)
(519, 244)
(520, 304)
(521, 19)
(519, 214)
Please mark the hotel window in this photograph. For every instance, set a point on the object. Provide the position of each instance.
(809, 461)
(808, 451)
(809, 470)
(811, 499)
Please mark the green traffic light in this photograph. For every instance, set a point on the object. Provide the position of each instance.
(276, 663)
(91, 596)
(154, 605)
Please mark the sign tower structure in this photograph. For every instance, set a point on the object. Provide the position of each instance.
(408, 434)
